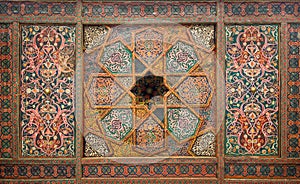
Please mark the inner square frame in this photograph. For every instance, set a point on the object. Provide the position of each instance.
(210, 54)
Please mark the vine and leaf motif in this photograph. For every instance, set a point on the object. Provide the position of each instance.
(47, 91)
(252, 90)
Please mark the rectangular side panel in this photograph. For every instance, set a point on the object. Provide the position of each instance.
(6, 96)
(252, 90)
(293, 144)
(47, 91)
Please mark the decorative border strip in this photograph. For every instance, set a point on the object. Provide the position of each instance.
(41, 161)
(36, 171)
(283, 181)
(284, 89)
(170, 160)
(37, 9)
(128, 11)
(16, 86)
(149, 9)
(39, 182)
(234, 9)
(293, 97)
(150, 181)
(6, 88)
(262, 170)
(149, 170)
(79, 101)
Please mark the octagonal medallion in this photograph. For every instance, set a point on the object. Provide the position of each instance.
(181, 58)
(195, 90)
(103, 91)
(117, 58)
(117, 124)
(149, 45)
(182, 123)
(149, 137)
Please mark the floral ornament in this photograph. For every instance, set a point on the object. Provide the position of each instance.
(47, 100)
(252, 90)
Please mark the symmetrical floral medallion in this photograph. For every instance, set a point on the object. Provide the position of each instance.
(103, 91)
(47, 91)
(195, 90)
(117, 58)
(148, 45)
(146, 92)
(182, 123)
(181, 58)
(149, 137)
(252, 90)
(117, 124)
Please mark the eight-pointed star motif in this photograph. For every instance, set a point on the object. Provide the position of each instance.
(178, 60)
